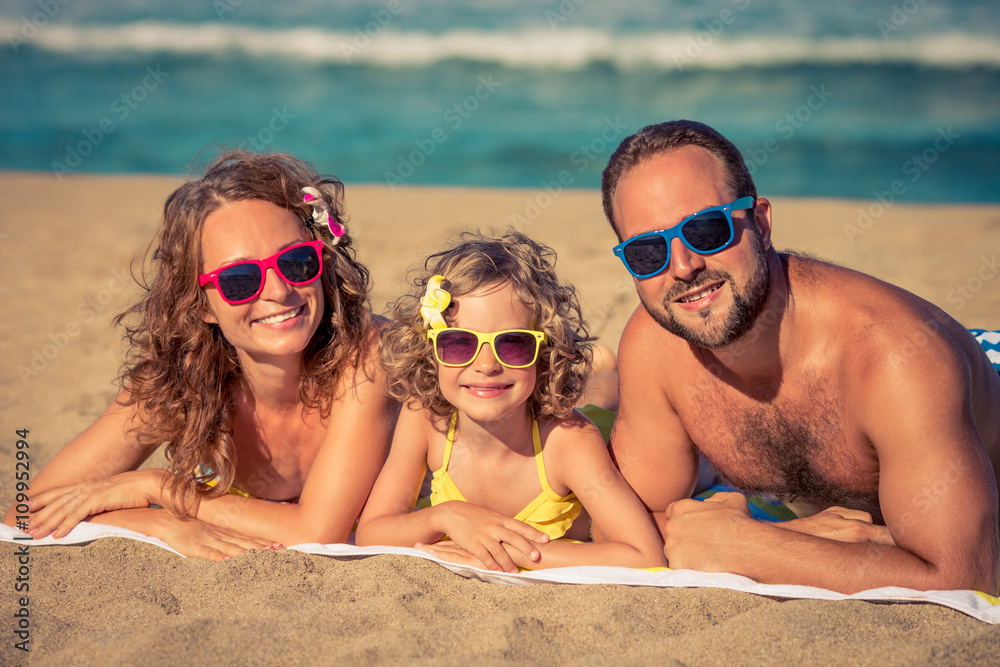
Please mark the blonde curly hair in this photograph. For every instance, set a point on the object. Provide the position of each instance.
(478, 261)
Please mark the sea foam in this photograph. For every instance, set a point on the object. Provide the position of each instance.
(565, 49)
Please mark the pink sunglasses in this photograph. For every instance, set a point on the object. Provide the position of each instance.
(240, 282)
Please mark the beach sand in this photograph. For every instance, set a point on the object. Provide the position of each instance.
(65, 254)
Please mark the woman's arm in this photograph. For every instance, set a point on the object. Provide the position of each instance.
(576, 458)
(352, 453)
(106, 448)
(389, 517)
(191, 537)
(338, 483)
(353, 450)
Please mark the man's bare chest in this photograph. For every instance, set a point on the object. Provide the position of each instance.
(794, 445)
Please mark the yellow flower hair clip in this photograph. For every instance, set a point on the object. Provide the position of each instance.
(434, 303)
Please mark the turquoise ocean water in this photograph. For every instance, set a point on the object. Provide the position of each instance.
(830, 99)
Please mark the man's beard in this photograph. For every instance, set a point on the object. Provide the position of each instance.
(748, 301)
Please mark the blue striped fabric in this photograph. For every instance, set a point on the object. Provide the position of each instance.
(990, 340)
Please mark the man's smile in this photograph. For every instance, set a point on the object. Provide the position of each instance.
(700, 294)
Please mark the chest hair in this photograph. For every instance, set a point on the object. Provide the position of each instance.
(786, 449)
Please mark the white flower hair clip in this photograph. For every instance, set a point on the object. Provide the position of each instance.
(321, 212)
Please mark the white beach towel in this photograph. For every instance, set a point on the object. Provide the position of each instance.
(977, 605)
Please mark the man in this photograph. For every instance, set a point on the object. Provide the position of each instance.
(794, 378)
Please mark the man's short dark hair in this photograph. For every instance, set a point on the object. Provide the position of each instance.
(662, 137)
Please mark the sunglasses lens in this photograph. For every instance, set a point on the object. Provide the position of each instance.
(647, 255)
(240, 282)
(516, 348)
(456, 347)
(708, 232)
(299, 265)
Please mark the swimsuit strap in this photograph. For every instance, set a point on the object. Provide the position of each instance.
(450, 441)
(536, 441)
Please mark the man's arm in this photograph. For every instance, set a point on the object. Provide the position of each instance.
(649, 444)
(936, 487)
(936, 491)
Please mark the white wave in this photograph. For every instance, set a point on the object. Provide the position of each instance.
(565, 49)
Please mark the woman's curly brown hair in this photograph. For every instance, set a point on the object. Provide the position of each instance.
(478, 261)
(180, 371)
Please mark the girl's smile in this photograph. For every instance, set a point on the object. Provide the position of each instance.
(486, 390)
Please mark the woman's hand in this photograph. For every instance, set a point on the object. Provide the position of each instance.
(841, 524)
(58, 510)
(197, 539)
(482, 533)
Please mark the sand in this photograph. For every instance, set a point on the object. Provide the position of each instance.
(65, 254)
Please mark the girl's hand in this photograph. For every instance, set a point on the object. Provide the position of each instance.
(483, 533)
(451, 552)
(58, 510)
(197, 539)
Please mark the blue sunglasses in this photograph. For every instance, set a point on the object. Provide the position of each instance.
(704, 232)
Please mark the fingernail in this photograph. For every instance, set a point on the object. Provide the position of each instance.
(228, 558)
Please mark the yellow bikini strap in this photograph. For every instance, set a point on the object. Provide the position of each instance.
(536, 441)
(450, 441)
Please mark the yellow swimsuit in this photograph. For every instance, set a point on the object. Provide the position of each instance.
(549, 513)
(205, 470)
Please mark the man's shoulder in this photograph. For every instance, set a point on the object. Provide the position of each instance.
(846, 301)
(873, 323)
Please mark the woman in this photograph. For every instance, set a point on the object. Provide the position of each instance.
(253, 361)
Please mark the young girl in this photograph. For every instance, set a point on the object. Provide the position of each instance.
(490, 363)
(253, 360)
